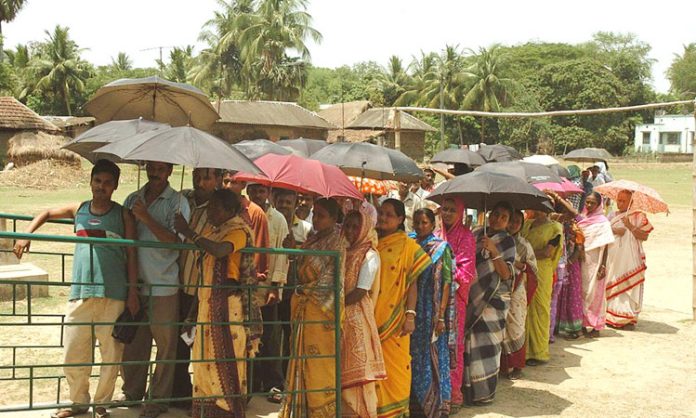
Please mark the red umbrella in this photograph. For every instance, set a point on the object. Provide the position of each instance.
(564, 188)
(642, 198)
(302, 175)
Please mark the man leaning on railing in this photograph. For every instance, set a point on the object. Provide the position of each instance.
(104, 279)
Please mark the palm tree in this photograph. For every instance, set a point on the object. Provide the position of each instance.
(179, 66)
(393, 80)
(18, 58)
(422, 72)
(57, 67)
(274, 30)
(8, 11)
(490, 90)
(121, 63)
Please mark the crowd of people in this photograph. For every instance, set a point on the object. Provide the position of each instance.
(421, 293)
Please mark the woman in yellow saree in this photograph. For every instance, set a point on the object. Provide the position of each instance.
(314, 300)
(402, 261)
(545, 237)
(221, 385)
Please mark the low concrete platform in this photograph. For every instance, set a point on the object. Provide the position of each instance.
(258, 408)
(22, 272)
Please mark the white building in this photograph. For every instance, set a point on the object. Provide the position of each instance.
(669, 133)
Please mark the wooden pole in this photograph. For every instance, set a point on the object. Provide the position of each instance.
(397, 129)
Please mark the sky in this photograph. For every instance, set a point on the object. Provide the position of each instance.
(366, 30)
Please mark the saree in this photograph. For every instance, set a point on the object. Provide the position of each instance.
(432, 390)
(463, 245)
(570, 304)
(489, 298)
(626, 270)
(219, 351)
(362, 362)
(598, 235)
(314, 301)
(402, 261)
(523, 289)
(539, 310)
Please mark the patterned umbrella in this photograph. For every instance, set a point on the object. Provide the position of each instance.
(643, 198)
(372, 186)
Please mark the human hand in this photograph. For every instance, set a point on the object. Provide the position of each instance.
(440, 327)
(180, 224)
(289, 241)
(409, 326)
(601, 274)
(140, 210)
(133, 301)
(272, 296)
(490, 246)
(21, 247)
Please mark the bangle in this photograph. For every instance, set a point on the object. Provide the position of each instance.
(410, 311)
(497, 258)
(441, 320)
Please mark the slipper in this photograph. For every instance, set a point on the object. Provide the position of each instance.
(515, 374)
(101, 412)
(275, 395)
(68, 412)
(571, 336)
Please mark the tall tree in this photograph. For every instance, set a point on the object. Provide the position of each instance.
(8, 11)
(58, 69)
(121, 63)
(180, 64)
(393, 81)
(682, 73)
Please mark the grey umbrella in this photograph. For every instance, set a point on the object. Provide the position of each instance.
(482, 190)
(362, 159)
(588, 155)
(152, 98)
(560, 170)
(530, 172)
(255, 148)
(304, 146)
(109, 132)
(185, 146)
(460, 156)
(499, 152)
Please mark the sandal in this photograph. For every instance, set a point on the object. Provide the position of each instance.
(515, 374)
(275, 395)
(101, 412)
(151, 411)
(68, 412)
(571, 336)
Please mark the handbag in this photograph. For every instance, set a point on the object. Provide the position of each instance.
(127, 325)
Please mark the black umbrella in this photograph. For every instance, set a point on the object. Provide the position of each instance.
(530, 172)
(499, 152)
(588, 155)
(304, 146)
(255, 148)
(482, 190)
(559, 170)
(458, 156)
(362, 159)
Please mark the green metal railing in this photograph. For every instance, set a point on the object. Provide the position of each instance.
(32, 319)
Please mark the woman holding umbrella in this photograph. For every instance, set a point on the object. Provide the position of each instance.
(488, 306)
(598, 235)
(313, 302)
(626, 263)
(402, 261)
(460, 238)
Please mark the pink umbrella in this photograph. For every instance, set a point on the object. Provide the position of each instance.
(564, 188)
(302, 175)
(644, 198)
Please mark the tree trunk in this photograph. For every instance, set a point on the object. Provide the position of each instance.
(2, 45)
(483, 130)
(66, 96)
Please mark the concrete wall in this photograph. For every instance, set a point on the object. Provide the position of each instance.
(412, 143)
(234, 133)
(652, 137)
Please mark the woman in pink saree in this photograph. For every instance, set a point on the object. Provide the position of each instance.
(460, 238)
(598, 235)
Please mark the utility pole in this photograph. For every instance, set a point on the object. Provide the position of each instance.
(161, 58)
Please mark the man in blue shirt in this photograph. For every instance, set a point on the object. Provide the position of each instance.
(154, 207)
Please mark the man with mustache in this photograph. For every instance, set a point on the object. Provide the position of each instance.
(154, 207)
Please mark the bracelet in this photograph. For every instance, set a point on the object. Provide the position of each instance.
(497, 258)
(441, 320)
(410, 311)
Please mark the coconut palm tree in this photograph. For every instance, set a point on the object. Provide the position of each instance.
(57, 67)
(121, 63)
(8, 11)
(393, 80)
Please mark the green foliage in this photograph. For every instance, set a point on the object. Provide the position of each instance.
(682, 73)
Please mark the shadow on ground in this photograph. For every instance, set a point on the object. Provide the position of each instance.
(520, 402)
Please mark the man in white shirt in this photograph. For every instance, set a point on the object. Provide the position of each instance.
(427, 183)
(412, 202)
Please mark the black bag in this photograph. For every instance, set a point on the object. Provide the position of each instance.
(124, 329)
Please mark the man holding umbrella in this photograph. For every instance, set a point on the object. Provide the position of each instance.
(154, 207)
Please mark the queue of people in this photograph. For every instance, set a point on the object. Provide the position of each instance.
(421, 294)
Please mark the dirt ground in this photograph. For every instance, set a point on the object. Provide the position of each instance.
(649, 372)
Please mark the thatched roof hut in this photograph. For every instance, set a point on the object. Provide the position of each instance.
(14, 116)
(72, 126)
(240, 120)
(342, 115)
(26, 148)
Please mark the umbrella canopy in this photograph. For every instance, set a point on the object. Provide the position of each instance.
(255, 148)
(499, 152)
(460, 156)
(184, 145)
(304, 146)
(482, 190)
(372, 186)
(541, 159)
(109, 132)
(560, 170)
(362, 159)
(644, 198)
(530, 172)
(588, 155)
(302, 175)
(564, 188)
(152, 98)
